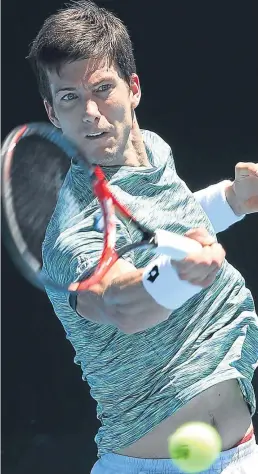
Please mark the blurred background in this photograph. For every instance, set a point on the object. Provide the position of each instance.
(197, 65)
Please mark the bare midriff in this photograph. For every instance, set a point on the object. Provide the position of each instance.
(221, 406)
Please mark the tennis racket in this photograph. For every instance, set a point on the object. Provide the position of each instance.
(35, 160)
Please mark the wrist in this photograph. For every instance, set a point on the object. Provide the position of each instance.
(160, 279)
(232, 199)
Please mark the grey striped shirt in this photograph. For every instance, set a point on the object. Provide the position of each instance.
(138, 380)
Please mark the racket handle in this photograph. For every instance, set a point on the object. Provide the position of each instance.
(174, 245)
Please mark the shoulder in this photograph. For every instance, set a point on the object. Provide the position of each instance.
(70, 237)
(158, 148)
(152, 138)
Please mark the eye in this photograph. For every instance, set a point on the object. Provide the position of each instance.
(104, 88)
(68, 97)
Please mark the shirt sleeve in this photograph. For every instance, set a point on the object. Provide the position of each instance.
(76, 252)
(214, 203)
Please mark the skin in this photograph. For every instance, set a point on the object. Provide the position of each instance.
(98, 100)
(242, 194)
(87, 99)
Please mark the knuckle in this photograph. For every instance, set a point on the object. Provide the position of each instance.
(206, 259)
(216, 261)
(221, 255)
(218, 251)
(207, 262)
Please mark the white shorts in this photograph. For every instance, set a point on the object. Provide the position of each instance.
(242, 459)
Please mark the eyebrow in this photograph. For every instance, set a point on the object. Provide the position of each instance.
(68, 88)
(106, 78)
(65, 89)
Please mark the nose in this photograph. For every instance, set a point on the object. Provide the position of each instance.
(91, 112)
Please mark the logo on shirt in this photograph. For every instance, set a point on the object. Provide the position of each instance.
(83, 264)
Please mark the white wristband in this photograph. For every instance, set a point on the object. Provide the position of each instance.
(214, 203)
(162, 282)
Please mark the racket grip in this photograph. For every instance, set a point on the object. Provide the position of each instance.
(174, 245)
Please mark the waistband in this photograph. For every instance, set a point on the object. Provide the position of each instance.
(129, 465)
(245, 438)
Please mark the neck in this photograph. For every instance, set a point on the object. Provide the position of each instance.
(135, 152)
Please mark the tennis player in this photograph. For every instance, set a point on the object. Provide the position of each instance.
(154, 354)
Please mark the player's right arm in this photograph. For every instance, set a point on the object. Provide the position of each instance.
(120, 298)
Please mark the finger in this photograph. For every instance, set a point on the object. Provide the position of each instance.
(204, 283)
(218, 253)
(203, 259)
(200, 266)
(246, 169)
(211, 256)
(195, 274)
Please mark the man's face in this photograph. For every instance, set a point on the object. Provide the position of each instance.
(87, 102)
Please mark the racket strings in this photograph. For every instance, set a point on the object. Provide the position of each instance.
(37, 174)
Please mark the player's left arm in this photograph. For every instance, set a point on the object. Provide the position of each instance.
(227, 202)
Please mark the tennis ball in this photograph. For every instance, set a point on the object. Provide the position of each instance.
(194, 447)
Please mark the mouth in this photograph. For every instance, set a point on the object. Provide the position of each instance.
(94, 136)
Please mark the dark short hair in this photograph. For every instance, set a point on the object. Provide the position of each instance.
(81, 30)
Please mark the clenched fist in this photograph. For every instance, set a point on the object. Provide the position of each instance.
(201, 268)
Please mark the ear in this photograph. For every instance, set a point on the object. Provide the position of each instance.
(51, 114)
(135, 91)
